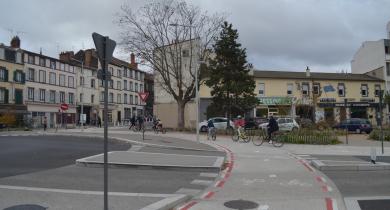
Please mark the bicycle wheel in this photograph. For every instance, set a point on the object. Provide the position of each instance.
(277, 141)
(259, 140)
(235, 136)
(245, 138)
(214, 136)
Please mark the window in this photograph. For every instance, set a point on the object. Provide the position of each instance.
(62, 97)
(136, 99)
(261, 89)
(52, 64)
(119, 73)
(3, 74)
(30, 94)
(136, 87)
(52, 78)
(125, 98)
(124, 84)
(131, 86)
(101, 96)
(42, 76)
(42, 95)
(18, 76)
(387, 50)
(111, 98)
(305, 89)
(92, 83)
(388, 68)
(62, 66)
(52, 96)
(141, 75)
(111, 84)
(341, 89)
(118, 85)
(71, 98)
(41, 61)
(31, 75)
(10, 55)
(119, 99)
(364, 90)
(81, 81)
(125, 72)
(81, 97)
(136, 75)
(3, 95)
(71, 81)
(131, 99)
(31, 59)
(377, 90)
(140, 88)
(316, 89)
(92, 99)
(111, 70)
(290, 89)
(62, 80)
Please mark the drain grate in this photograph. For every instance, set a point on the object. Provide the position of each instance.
(241, 204)
(26, 207)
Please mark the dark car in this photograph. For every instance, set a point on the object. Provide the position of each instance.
(358, 125)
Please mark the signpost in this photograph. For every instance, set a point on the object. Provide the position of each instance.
(104, 47)
(64, 107)
(143, 96)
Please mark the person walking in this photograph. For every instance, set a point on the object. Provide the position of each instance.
(44, 123)
(132, 122)
(140, 122)
(99, 122)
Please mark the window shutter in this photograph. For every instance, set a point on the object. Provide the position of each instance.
(5, 75)
(23, 78)
(6, 96)
(15, 76)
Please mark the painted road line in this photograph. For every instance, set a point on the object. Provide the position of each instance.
(201, 182)
(220, 183)
(208, 195)
(320, 179)
(210, 175)
(304, 163)
(38, 189)
(331, 204)
(326, 188)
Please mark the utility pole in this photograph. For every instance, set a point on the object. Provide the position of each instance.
(346, 117)
(380, 116)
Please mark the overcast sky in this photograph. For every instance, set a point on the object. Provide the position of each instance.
(278, 34)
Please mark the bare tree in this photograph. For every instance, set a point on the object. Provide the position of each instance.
(159, 32)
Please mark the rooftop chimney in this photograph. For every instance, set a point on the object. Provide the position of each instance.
(15, 42)
(307, 71)
(66, 56)
(132, 61)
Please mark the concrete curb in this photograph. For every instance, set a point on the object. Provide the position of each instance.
(168, 203)
(350, 167)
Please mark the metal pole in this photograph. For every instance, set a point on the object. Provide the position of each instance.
(82, 103)
(197, 101)
(105, 70)
(346, 117)
(380, 118)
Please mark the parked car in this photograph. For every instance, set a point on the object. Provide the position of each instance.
(220, 123)
(253, 123)
(358, 125)
(285, 124)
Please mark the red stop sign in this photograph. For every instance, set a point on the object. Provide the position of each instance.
(64, 107)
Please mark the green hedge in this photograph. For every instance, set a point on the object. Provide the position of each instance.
(375, 135)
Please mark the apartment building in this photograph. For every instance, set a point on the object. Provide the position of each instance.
(12, 80)
(50, 82)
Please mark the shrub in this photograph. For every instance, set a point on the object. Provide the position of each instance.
(376, 134)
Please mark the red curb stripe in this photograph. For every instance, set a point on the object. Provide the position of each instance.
(324, 188)
(329, 205)
(209, 195)
(188, 205)
(220, 183)
(320, 179)
(227, 175)
(306, 165)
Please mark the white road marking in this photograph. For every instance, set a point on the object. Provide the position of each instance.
(266, 160)
(201, 182)
(263, 207)
(83, 192)
(272, 176)
(252, 181)
(212, 175)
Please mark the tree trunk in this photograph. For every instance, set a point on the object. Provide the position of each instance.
(180, 114)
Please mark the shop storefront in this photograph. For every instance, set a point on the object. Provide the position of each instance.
(275, 106)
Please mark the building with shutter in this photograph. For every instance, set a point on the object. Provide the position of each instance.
(50, 82)
(12, 80)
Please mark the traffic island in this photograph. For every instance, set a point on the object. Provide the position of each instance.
(333, 165)
(140, 160)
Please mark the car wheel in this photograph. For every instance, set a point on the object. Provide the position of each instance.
(203, 129)
(358, 131)
(294, 129)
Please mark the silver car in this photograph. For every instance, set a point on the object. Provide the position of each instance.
(285, 124)
(220, 123)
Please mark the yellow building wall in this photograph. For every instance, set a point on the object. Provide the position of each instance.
(11, 67)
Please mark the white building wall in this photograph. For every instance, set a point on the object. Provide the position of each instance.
(370, 56)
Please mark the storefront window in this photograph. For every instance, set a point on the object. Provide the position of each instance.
(341, 89)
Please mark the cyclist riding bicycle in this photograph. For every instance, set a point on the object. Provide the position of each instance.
(239, 123)
(272, 127)
(210, 128)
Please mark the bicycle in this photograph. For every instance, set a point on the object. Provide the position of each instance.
(242, 134)
(212, 133)
(277, 139)
(158, 128)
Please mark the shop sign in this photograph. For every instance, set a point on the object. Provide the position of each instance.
(349, 104)
(275, 100)
(327, 100)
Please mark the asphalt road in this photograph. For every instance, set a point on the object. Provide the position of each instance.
(21, 155)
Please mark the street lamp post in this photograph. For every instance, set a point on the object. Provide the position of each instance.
(82, 88)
